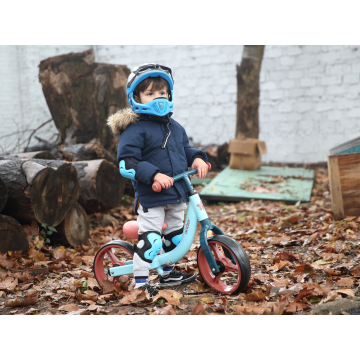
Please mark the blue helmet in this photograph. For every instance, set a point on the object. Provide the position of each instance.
(159, 106)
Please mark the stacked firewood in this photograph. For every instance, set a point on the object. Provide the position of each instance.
(80, 175)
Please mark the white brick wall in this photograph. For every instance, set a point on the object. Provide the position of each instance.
(309, 99)
(22, 103)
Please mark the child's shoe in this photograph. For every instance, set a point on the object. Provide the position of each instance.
(176, 278)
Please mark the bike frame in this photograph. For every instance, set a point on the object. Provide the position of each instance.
(195, 213)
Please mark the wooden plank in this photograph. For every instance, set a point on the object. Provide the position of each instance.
(335, 187)
(349, 169)
(268, 183)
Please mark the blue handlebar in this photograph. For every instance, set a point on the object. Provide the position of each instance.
(184, 174)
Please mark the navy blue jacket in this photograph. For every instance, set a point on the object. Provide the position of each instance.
(142, 140)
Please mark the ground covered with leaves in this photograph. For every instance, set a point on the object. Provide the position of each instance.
(301, 259)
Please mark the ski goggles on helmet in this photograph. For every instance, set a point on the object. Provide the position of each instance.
(159, 106)
(146, 68)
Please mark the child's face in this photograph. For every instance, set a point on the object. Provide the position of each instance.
(149, 94)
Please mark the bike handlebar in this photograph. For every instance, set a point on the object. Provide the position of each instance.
(156, 186)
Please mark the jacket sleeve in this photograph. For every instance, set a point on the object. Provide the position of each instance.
(191, 153)
(130, 145)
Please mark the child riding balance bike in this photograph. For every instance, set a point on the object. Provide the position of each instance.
(154, 153)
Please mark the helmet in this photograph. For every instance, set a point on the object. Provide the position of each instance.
(159, 106)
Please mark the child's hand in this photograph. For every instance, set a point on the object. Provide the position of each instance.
(164, 180)
(201, 167)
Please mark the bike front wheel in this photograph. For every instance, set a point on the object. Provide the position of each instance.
(233, 264)
(114, 253)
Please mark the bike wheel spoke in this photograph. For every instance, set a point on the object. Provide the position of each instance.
(217, 279)
(217, 253)
(112, 257)
(231, 267)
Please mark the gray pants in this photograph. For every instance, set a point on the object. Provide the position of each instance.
(153, 220)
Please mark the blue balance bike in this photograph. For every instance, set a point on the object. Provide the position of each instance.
(222, 262)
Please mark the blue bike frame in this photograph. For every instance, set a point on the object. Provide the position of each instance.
(196, 212)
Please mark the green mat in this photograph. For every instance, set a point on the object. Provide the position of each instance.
(269, 183)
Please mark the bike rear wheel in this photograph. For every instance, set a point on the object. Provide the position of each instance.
(114, 253)
(234, 273)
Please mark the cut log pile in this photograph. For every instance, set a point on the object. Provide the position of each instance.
(54, 192)
(78, 176)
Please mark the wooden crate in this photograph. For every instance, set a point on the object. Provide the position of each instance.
(344, 176)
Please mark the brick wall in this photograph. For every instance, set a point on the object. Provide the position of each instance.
(309, 99)
(22, 103)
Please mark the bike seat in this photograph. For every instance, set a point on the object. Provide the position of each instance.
(131, 229)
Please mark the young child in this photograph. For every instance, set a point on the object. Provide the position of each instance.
(154, 147)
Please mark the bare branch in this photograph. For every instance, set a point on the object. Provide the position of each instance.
(34, 131)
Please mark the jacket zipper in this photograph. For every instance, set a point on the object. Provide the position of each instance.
(166, 138)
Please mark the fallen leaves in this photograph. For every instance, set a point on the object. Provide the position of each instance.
(171, 296)
(31, 298)
(255, 295)
(136, 296)
(9, 284)
(69, 307)
(199, 309)
(167, 310)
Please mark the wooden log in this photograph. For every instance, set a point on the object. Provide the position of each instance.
(44, 154)
(101, 185)
(3, 194)
(74, 230)
(81, 94)
(344, 176)
(41, 190)
(90, 151)
(12, 235)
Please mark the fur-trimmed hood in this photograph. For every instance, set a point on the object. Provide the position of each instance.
(119, 121)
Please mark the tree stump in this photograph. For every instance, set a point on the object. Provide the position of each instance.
(12, 235)
(101, 185)
(37, 190)
(81, 94)
(3, 194)
(74, 230)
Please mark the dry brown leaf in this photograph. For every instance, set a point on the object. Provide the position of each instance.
(136, 296)
(107, 286)
(249, 310)
(295, 307)
(221, 304)
(303, 293)
(167, 310)
(256, 295)
(355, 270)
(199, 309)
(88, 295)
(31, 298)
(92, 283)
(122, 311)
(284, 256)
(69, 307)
(171, 296)
(345, 282)
(281, 283)
(348, 292)
(198, 287)
(9, 284)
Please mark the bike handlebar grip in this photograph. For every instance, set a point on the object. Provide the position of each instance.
(209, 166)
(156, 186)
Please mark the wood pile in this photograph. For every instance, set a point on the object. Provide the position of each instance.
(79, 174)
